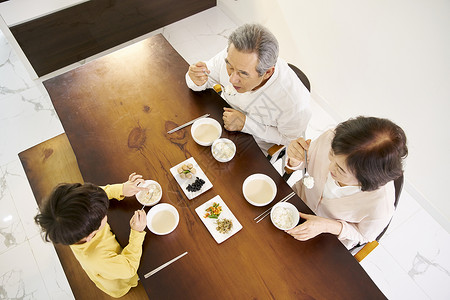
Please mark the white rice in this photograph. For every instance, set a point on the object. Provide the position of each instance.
(308, 182)
(282, 217)
(223, 150)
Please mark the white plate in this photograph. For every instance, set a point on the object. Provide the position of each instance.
(211, 223)
(185, 182)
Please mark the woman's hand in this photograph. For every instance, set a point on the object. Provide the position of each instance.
(296, 151)
(138, 220)
(313, 226)
(131, 188)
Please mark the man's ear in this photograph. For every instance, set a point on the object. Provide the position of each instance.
(269, 72)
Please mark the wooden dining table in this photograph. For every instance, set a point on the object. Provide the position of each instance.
(116, 112)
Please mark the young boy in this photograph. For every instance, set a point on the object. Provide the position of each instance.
(75, 215)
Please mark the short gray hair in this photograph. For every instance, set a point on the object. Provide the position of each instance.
(256, 38)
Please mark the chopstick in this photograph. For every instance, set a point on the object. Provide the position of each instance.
(164, 265)
(267, 212)
(187, 124)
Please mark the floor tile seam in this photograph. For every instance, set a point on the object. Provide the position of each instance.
(15, 206)
(39, 269)
(27, 236)
(407, 219)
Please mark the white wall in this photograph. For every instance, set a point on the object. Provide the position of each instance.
(381, 58)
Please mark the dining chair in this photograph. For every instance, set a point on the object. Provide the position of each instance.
(361, 251)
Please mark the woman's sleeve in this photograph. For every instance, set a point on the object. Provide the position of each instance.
(363, 232)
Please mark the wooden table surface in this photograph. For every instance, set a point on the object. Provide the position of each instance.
(116, 112)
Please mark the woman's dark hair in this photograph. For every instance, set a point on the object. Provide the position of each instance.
(374, 147)
(72, 212)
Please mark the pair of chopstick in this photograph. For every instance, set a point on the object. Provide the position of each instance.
(187, 124)
(267, 212)
(164, 265)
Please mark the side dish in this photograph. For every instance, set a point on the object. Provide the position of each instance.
(196, 186)
(213, 211)
(186, 171)
(224, 225)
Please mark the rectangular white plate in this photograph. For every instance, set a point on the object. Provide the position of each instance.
(211, 223)
(185, 182)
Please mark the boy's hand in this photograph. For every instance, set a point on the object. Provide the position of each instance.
(130, 188)
(138, 221)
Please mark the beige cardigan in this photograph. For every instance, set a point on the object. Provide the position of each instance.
(363, 215)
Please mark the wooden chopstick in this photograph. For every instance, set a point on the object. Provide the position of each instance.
(164, 265)
(267, 212)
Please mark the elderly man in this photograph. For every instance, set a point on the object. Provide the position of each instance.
(267, 98)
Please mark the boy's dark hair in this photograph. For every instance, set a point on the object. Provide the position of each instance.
(374, 147)
(72, 212)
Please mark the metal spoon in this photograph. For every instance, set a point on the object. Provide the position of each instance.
(151, 195)
(215, 80)
(308, 180)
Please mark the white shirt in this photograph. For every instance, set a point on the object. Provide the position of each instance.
(333, 190)
(276, 113)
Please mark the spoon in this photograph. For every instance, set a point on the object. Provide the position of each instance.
(151, 195)
(308, 180)
(215, 80)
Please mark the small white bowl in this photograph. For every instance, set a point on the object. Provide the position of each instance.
(204, 121)
(221, 154)
(248, 195)
(160, 213)
(140, 196)
(292, 210)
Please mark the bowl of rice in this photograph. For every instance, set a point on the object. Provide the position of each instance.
(284, 216)
(223, 150)
(152, 195)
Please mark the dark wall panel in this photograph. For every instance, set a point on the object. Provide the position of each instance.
(73, 34)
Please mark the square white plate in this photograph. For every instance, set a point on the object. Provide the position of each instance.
(185, 182)
(211, 223)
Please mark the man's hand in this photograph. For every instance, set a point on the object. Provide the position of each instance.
(296, 151)
(233, 120)
(138, 220)
(197, 73)
(314, 226)
(130, 188)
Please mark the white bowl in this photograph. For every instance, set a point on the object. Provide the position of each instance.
(261, 186)
(156, 197)
(220, 153)
(205, 121)
(159, 215)
(295, 216)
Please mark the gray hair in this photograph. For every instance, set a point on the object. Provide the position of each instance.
(256, 38)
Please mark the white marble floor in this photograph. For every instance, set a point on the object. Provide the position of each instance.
(412, 261)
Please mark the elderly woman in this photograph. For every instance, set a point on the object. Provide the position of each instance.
(353, 167)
